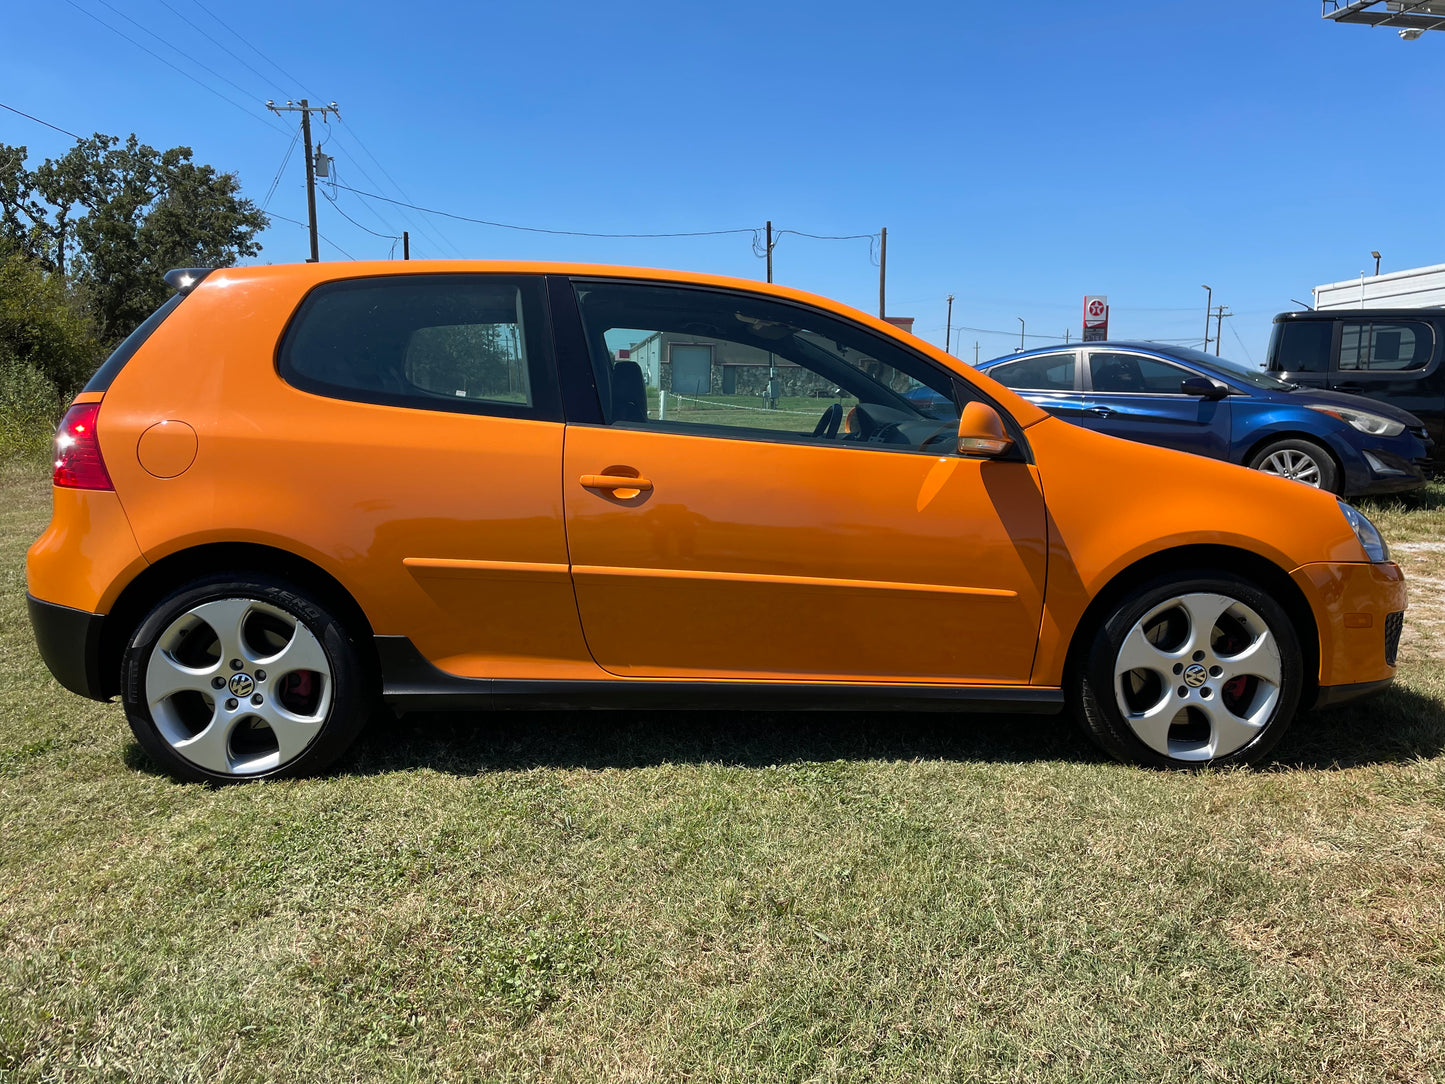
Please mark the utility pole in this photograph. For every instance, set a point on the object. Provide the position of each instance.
(1021, 332)
(975, 353)
(948, 335)
(882, 273)
(1066, 336)
(770, 250)
(305, 108)
(1208, 300)
(405, 245)
(1220, 314)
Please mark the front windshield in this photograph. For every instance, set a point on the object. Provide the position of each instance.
(1233, 370)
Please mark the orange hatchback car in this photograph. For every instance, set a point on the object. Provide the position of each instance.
(296, 491)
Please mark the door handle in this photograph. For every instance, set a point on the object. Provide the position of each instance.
(1349, 387)
(1100, 411)
(615, 482)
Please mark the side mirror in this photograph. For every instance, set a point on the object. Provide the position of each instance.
(980, 432)
(1202, 387)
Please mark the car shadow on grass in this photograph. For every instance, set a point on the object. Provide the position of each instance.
(1395, 726)
(1398, 725)
(520, 740)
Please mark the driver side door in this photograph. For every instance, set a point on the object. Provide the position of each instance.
(798, 518)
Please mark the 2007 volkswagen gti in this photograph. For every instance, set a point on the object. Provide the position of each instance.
(297, 490)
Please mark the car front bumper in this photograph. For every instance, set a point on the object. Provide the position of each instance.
(1358, 609)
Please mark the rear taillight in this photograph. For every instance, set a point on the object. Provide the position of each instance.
(78, 463)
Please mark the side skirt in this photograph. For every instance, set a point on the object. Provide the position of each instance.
(411, 683)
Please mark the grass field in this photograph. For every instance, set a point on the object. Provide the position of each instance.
(740, 897)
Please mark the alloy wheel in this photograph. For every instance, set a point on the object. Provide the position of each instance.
(1293, 464)
(1198, 676)
(237, 686)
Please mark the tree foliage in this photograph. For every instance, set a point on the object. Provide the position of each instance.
(111, 217)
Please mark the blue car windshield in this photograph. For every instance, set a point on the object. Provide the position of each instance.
(1231, 370)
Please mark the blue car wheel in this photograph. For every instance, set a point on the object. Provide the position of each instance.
(1301, 460)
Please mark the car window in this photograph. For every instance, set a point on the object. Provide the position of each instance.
(1397, 345)
(1134, 373)
(728, 364)
(1301, 346)
(472, 343)
(1044, 372)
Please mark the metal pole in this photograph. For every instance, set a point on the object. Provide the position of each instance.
(310, 179)
(882, 274)
(1218, 330)
(975, 353)
(1021, 332)
(405, 245)
(770, 250)
(1208, 302)
(948, 335)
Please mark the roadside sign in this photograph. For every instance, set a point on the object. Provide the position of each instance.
(1096, 318)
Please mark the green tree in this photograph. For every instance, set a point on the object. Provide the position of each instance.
(112, 217)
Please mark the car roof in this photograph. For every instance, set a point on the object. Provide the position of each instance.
(1107, 344)
(1355, 314)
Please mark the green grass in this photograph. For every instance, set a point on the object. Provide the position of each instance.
(747, 897)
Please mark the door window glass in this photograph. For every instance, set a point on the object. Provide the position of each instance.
(1134, 374)
(1301, 346)
(1405, 344)
(1046, 372)
(729, 364)
(471, 343)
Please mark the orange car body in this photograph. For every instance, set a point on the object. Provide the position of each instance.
(479, 540)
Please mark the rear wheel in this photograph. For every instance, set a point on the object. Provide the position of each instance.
(232, 678)
(1192, 670)
(1300, 460)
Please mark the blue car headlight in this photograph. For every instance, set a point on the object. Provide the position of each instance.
(1368, 534)
(1363, 420)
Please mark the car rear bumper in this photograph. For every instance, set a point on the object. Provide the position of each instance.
(1358, 609)
(69, 642)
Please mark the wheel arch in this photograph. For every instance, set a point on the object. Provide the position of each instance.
(177, 569)
(1259, 570)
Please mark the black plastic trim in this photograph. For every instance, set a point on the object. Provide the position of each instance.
(1330, 695)
(411, 683)
(69, 642)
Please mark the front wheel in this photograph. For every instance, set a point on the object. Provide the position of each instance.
(234, 678)
(1191, 670)
(1300, 460)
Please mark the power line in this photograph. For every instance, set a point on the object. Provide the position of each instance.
(174, 48)
(420, 222)
(37, 120)
(304, 226)
(358, 225)
(151, 52)
(540, 229)
(264, 79)
(276, 180)
(237, 35)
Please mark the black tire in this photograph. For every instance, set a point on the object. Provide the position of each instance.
(329, 709)
(1293, 449)
(1180, 719)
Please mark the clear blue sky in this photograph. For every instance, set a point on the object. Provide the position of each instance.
(1020, 154)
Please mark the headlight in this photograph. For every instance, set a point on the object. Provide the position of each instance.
(1366, 532)
(1364, 421)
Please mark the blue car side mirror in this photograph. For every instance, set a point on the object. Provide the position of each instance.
(1203, 387)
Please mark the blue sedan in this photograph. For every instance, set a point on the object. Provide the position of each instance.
(1182, 398)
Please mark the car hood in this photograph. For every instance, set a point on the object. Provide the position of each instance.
(1309, 397)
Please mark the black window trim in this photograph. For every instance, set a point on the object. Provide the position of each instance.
(574, 368)
(542, 372)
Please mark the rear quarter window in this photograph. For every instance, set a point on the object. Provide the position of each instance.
(474, 344)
